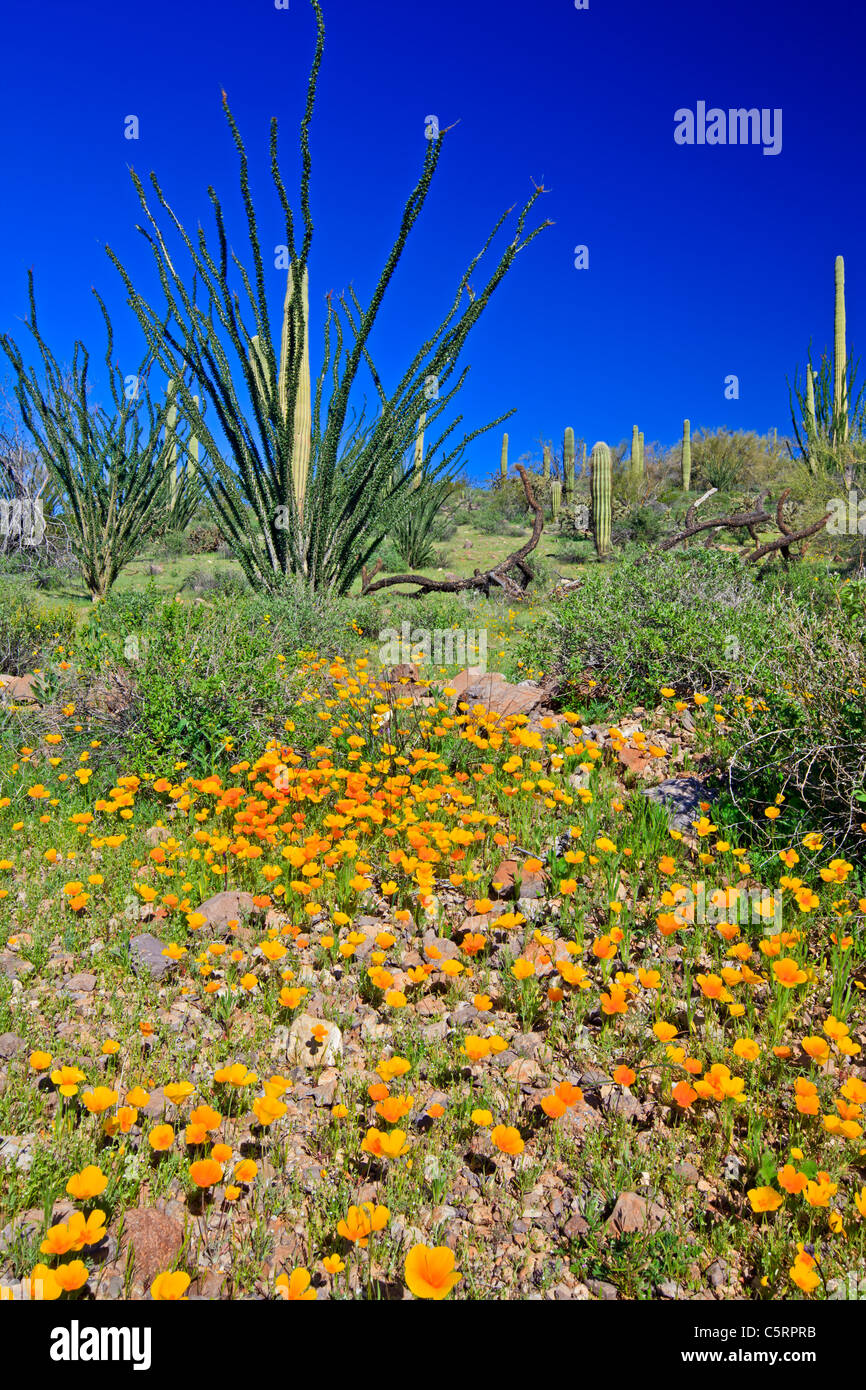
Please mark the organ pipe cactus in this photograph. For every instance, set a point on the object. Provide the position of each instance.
(687, 456)
(568, 465)
(601, 498)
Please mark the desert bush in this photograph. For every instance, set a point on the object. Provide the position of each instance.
(29, 633)
(173, 544)
(800, 741)
(210, 682)
(204, 538)
(695, 622)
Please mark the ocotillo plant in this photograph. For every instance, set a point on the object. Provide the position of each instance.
(357, 486)
(555, 498)
(109, 465)
(840, 359)
(601, 498)
(687, 456)
(568, 465)
(503, 458)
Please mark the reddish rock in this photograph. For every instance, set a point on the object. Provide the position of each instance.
(503, 883)
(635, 760)
(156, 1240)
(495, 693)
(634, 1213)
(18, 689)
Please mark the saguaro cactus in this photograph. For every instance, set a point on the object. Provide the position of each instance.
(568, 465)
(503, 458)
(193, 451)
(810, 422)
(640, 450)
(636, 460)
(171, 455)
(302, 435)
(687, 456)
(419, 450)
(601, 498)
(840, 360)
(545, 468)
(555, 498)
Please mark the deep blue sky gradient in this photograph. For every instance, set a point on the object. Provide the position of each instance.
(703, 261)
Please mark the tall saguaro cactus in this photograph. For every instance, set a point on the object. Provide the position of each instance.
(193, 450)
(171, 453)
(545, 468)
(303, 425)
(601, 498)
(687, 456)
(568, 465)
(503, 458)
(636, 457)
(419, 450)
(840, 359)
(555, 498)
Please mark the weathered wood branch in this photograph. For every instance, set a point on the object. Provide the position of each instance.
(498, 575)
(750, 521)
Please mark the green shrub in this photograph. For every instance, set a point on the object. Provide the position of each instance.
(211, 681)
(173, 544)
(692, 621)
(28, 632)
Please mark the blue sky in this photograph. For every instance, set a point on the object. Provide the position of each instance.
(703, 261)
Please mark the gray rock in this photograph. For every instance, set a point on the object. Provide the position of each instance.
(13, 966)
(681, 796)
(603, 1290)
(226, 907)
(81, 984)
(17, 1150)
(146, 956)
(10, 1046)
(717, 1274)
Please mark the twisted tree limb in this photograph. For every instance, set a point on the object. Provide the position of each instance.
(750, 521)
(498, 575)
